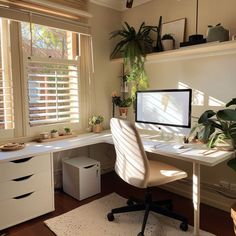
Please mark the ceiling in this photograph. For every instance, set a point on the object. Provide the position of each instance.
(118, 4)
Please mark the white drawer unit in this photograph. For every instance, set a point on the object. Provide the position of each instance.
(81, 177)
(26, 189)
(24, 166)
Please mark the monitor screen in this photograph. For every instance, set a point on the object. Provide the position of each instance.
(170, 107)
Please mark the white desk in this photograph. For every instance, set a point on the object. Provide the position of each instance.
(198, 155)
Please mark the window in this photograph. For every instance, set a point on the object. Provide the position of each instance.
(52, 75)
(6, 85)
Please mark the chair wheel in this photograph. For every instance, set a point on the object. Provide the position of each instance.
(130, 202)
(183, 226)
(110, 217)
(140, 234)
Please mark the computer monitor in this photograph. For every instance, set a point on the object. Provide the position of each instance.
(169, 107)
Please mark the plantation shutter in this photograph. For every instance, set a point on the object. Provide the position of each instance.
(6, 85)
(52, 91)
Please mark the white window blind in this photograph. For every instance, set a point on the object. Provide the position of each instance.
(6, 85)
(52, 91)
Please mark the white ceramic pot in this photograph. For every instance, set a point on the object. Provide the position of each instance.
(168, 44)
(54, 135)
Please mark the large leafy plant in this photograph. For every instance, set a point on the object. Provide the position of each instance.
(214, 127)
(133, 46)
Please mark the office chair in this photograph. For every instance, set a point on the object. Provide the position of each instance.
(135, 169)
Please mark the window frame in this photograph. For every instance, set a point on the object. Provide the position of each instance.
(36, 130)
(23, 132)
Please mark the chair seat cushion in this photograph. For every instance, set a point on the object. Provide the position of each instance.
(162, 173)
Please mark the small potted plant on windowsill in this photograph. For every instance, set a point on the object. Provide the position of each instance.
(168, 42)
(67, 131)
(123, 105)
(96, 123)
(54, 133)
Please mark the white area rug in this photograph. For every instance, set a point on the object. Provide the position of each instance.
(90, 220)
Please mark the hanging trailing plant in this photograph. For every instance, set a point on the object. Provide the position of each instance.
(133, 47)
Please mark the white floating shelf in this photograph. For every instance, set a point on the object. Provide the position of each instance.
(191, 52)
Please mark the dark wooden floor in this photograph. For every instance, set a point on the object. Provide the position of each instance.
(212, 220)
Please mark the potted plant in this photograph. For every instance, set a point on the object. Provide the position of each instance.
(54, 133)
(218, 129)
(133, 47)
(96, 123)
(67, 131)
(168, 42)
(123, 105)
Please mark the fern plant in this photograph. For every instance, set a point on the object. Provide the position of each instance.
(133, 47)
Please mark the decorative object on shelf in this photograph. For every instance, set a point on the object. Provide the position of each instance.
(54, 133)
(168, 42)
(177, 30)
(218, 129)
(129, 3)
(134, 46)
(96, 123)
(195, 38)
(158, 29)
(217, 33)
(12, 147)
(123, 105)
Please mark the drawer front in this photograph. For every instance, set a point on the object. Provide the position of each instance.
(24, 167)
(22, 208)
(26, 184)
(89, 181)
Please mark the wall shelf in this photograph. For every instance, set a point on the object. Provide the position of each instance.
(191, 52)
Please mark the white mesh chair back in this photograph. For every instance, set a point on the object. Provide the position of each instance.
(131, 160)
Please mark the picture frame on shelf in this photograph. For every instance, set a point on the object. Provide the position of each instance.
(176, 28)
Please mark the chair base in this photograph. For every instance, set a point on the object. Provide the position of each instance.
(161, 207)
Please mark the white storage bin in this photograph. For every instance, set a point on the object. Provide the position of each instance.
(81, 177)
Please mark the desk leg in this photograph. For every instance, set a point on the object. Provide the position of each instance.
(196, 197)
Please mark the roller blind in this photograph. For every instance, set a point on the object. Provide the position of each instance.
(53, 90)
(62, 14)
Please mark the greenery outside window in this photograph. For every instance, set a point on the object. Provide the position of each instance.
(52, 74)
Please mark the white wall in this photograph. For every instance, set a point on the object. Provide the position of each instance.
(213, 76)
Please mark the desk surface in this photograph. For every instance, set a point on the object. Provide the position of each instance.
(194, 153)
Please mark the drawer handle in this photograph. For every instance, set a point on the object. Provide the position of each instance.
(23, 196)
(22, 160)
(87, 167)
(22, 178)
